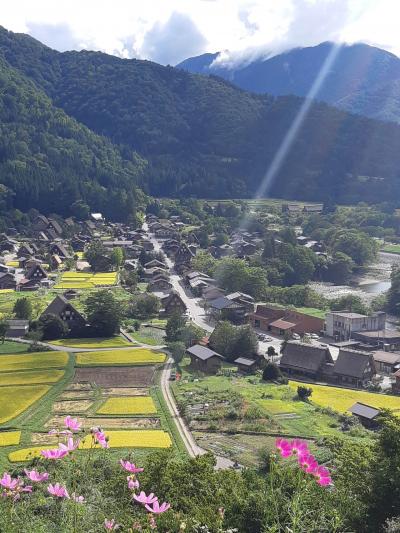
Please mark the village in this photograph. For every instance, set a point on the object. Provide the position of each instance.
(57, 264)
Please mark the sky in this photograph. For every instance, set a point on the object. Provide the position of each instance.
(168, 31)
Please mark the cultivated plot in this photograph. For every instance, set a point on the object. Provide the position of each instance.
(111, 342)
(33, 361)
(139, 405)
(28, 377)
(16, 399)
(135, 356)
(141, 376)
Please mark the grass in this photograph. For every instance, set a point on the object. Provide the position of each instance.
(391, 248)
(138, 405)
(342, 399)
(9, 347)
(117, 439)
(31, 377)
(33, 361)
(16, 399)
(10, 438)
(111, 342)
(312, 311)
(135, 356)
(149, 335)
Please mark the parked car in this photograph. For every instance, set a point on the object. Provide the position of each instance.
(268, 339)
(296, 336)
(314, 336)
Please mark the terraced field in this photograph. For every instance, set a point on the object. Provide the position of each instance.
(112, 342)
(33, 361)
(16, 399)
(86, 280)
(138, 405)
(30, 377)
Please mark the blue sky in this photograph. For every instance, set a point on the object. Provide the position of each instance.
(168, 31)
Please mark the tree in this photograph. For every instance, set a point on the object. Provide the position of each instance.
(271, 351)
(246, 343)
(80, 210)
(339, 268)
(174, 327)
(359, 246)
(117, 257)
(271, 372)
(130, 278)
(393, 298)
(3, 330)
(23, 308)
(97, 255)
(204, 262)
(177, 350)
(350, 302)
(304, 392)
(104, 313)
(191, 334)
(52, 327)
(222, 339)
(145, 305)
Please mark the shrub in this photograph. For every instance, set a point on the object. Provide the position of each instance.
(304, 393)
(271, 372)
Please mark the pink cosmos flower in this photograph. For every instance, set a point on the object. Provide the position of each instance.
(77, 499)
(54, 453)
(308, 463)
(130, 467)
(70, 446)
(72, 423)
(323, 476)
(284, 447)
(60, 433)
(133, 484)
(8, 482)
(144, 499)
(157, 508)
(101, 438)
(34, 476)
(57, 490)
(110, 524)
(299, 447)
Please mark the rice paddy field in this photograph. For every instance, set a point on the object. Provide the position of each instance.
(32, 361)
(29, 377)
(139, 405)
(134, 356)
(86, 280)
(9, 438)
(18, 398)
(112, 342)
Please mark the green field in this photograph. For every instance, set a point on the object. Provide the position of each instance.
(111, 342)
(134, 356)
(9, 347)
(312, 311)
(138, 405)
(16, 399)
(33, 361)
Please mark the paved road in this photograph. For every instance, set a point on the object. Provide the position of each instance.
(196, 311)
(187, 437)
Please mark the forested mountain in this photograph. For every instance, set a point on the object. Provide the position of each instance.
(203, 136)
(48, 160)
(362, 79)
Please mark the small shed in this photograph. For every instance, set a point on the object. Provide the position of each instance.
(204, 359)
(366, 414)
(246, 365)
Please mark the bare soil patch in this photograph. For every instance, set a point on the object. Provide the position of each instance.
(79, 386)
(72, 406)
(124, 391)
(44, 438)
(76, 395)
(139, 376)
(104, 422)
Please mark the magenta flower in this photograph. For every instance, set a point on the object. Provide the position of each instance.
(72, 423)
(77, 499)
(57, 490)
(130, 467)
(284, 447)
(34, 476)
(144, 499)
(323, 476)
(70, 446)
(54, 453)
(8, 482)
(308, 463)
(110, 524)
(133, 484)
(299, 447)
(101, 438)
(157, 508)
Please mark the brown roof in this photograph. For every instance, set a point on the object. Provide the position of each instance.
(353, 363)
(386, 357)
(282, 324)
(304, 356)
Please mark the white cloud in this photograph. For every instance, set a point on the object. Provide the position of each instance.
(170, 30)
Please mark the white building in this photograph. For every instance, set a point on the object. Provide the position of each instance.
(340, 325)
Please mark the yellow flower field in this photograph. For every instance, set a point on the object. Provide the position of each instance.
(33, 361)
(139, 405)
(31, 377)
(12, 263)
(135, 356)
(16, 399)
(111, 342)
(10, 438)
(117, 439)
(342, 399)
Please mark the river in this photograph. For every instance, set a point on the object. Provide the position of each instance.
(374, 281)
